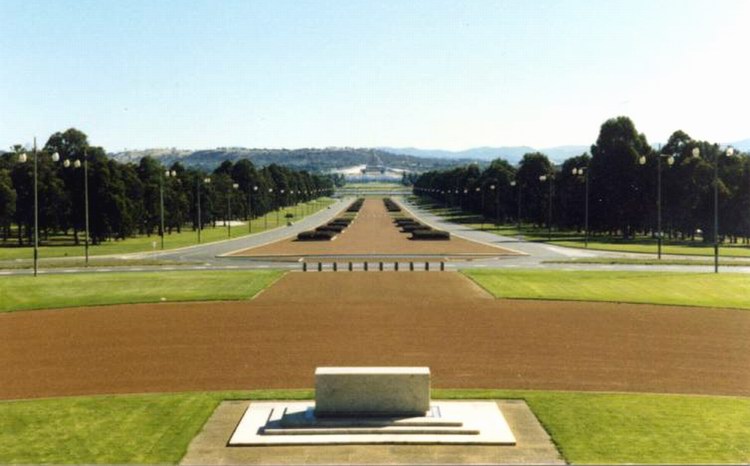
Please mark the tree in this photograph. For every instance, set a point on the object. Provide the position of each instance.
(7, 202)
(617, 180)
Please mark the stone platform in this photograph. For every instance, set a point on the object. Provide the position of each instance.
(533, 445)
(445, 423)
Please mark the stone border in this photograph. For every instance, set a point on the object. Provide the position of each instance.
(533, 445)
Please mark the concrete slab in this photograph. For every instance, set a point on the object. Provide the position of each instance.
(482, 423)
(533, 445)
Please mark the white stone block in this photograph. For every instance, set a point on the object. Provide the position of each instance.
(372, 391)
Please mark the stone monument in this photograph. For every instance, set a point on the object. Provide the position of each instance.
(372, 405)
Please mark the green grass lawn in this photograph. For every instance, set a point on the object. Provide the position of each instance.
(685, 289)
(575, 239)
(56, 291)
(665, 261)
(586, 427)
(63, 247)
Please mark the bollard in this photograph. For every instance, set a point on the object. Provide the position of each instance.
(365, 265)
(335, 266)
(304, 266)
(442, 266)
(395, 266)
(427, 266)
(411, 266)
(380, 266)
(320, 266)
(351, 266)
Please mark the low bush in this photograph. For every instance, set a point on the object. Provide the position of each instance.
(334, 228)
(316, 236)
(430, 235)
(411, 228)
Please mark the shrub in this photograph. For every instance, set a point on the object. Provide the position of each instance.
(316, 236)
(430, 235)
(334, 228)
(411, 228)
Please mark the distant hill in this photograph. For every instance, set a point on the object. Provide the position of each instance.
(313, 160)
(512, 154)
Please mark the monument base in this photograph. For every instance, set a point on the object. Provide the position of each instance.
(446, 423)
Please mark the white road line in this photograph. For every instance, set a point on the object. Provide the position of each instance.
(69, 271)
(104, 270)
(5, 273)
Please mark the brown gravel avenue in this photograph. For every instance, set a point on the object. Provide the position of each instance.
(373, 232)
(436, 319)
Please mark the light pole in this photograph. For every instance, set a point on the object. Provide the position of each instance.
(250, 209)
(544, 178)
(22, 159)
(670, 162)
(265, 217)
(729, 152)
(229, 208)
(206, 180)
(278, 210)
(77, 164)
(582, 171)
(518, 197)
(481, 204)
(167, 174)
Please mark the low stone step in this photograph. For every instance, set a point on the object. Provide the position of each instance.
(307, 418)
(388, 430)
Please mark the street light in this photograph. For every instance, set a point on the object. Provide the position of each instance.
(22, 158)
(544, 178)
(77, 164)
(278, 210)
(265, 217)
(728, 152)
(167, 174)
(582, 171)
(206, 180)
(517, 185)
(250, 209)
(229, 209)
(670, 162)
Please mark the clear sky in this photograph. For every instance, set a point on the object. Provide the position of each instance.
(431, 74)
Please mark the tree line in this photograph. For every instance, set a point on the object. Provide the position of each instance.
(623, 176)
(125, 198)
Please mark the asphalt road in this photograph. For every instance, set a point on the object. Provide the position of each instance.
(535, 254)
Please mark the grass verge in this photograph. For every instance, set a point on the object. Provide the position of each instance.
(57, 291)
(631, 261)
(62, 246)
(586, 427)
(575, 239)
(684, 289)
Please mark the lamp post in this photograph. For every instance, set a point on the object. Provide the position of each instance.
(544, 178)
(481, 203)
(77, 164)
(492, 187)
(206, 180)
(229, 208)
(728, 152)
(167, 174)
(670, 162)
(278, 210)
(265, 217)
(582, 171)
(517, 185)
(250, 208)
(22, 158)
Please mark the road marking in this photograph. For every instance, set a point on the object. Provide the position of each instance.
(104, 270)
(232, 267)
(70, 271)
(169, 268)
(262, 266)
(5, 273)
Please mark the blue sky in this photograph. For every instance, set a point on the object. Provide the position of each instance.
(431, 74)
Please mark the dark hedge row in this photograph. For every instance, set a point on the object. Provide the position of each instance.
(316, 236)
(356, 205)
(390, 205)
(430, 234)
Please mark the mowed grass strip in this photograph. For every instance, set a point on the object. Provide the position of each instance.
(586, 427)
(72, 290)
(730, 290)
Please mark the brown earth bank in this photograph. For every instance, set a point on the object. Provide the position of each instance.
(440, 320)
(373, 232)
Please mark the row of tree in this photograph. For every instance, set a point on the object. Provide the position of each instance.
(623, 177)
(125, 198)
